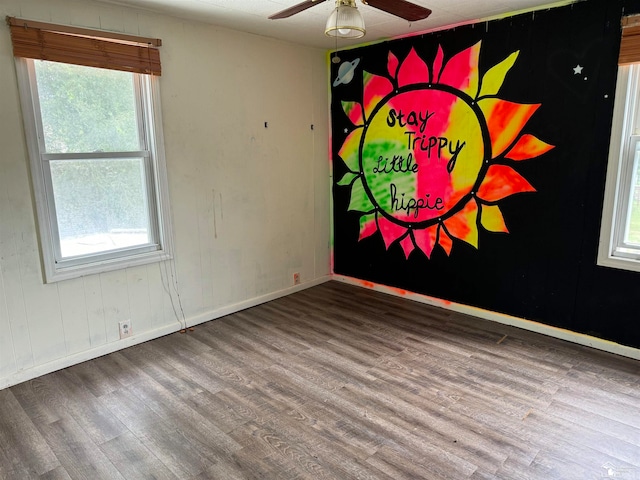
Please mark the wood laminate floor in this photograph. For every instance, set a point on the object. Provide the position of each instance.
(334, 382)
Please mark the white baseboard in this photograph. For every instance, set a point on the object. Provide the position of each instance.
(67, 361)
(252, 302)
(530, 325)
(64, 362)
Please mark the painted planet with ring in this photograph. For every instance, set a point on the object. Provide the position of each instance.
(346, 72)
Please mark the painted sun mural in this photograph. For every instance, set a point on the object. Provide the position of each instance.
(431, 150)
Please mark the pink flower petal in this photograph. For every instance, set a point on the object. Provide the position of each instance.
(413, 70)
(390, 231)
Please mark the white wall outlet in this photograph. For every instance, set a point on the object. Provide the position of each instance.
(125, 328)
(296, 278)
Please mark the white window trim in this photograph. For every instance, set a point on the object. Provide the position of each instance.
(626, 109)
(115, 259)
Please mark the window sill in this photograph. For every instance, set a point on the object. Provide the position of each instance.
(75, 271)
(620, 263)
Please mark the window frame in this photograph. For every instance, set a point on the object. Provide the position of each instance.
(625, 135)
(56, 268)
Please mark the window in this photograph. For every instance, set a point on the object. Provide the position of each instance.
(620, 230)
(97, 165)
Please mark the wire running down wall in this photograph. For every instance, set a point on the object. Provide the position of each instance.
(249, 204)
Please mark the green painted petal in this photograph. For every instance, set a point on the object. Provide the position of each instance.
(368, 225)
(350, 150)
(359, 200)
(353, 110)
(347, 179)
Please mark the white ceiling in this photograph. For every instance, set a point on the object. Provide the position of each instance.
(307, 27)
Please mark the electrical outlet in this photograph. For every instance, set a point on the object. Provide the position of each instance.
(296, 278)
(125, 328)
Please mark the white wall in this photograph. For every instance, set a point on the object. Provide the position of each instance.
(250, 205)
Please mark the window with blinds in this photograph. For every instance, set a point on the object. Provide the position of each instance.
(90, 101)
(620, 228)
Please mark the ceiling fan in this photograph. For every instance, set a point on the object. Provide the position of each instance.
(347, 8)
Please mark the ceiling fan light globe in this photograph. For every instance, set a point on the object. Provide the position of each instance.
(346, 22)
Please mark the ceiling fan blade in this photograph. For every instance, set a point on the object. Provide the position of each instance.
(400, 8)
(295, 9)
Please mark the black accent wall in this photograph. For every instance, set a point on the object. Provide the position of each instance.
(545, 268)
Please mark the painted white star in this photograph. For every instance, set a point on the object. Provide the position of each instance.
(577, 70)
(346, 130)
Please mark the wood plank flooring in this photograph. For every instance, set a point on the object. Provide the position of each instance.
(335, 382)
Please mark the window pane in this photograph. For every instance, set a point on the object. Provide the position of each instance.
(100, 205)
(632, 231)
(86, 109)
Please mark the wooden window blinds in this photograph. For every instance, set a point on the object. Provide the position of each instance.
(630, 43)
(80, 46)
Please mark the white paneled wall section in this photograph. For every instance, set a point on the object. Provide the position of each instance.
(248, 179)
